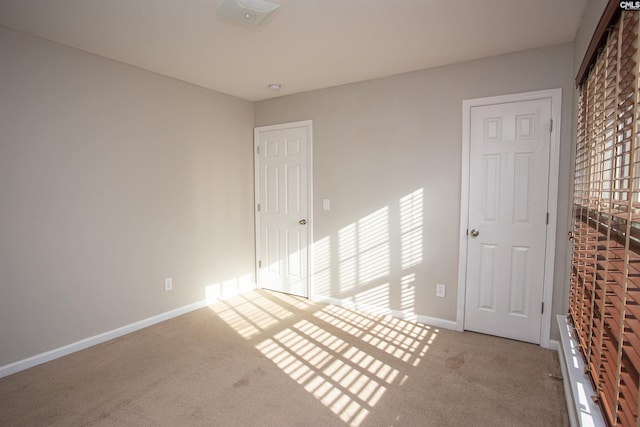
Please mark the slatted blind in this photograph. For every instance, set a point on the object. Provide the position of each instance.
(605, 277)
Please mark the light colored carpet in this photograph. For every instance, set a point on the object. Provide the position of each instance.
(269, 359)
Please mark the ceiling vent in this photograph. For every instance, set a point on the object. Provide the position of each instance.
(247, 11)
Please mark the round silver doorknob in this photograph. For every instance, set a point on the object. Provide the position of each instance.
(302, 221)
(475, 233)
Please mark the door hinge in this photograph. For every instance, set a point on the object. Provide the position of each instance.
(258, 207)
(257, 149)
(259, 264)
(547, 218)
(551, 125)
(542, 308)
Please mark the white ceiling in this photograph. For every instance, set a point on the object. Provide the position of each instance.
(304, 45)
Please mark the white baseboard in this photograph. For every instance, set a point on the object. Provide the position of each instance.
(38, 359)
(431, 321)
(554, 345)
(214, 293)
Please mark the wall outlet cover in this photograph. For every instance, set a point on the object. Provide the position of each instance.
(441, 290)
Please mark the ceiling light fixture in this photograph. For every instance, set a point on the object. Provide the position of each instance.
(248, 11)
(274, 87)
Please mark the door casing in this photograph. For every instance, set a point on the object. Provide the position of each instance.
(554, 158)
(309, 125)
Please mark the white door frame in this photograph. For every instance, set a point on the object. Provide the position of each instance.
(552, 202)
(256, 175)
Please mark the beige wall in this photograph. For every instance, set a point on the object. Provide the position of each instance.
(111, 179)
(590, 19)
(378, 141)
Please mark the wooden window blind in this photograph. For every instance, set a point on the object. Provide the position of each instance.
(605, 275)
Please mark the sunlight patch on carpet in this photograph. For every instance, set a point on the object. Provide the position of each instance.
(348, 373)
(250, 314)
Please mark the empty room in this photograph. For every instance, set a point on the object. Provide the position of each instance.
(319, 213)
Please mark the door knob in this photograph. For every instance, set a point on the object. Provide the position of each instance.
(475, 233)
(302, 221)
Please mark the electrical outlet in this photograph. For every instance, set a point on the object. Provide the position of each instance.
(168, 284)
(440, 290)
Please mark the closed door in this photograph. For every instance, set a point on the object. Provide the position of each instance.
(282, 220)
(508, 192)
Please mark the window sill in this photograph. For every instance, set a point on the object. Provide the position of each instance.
(577, 386)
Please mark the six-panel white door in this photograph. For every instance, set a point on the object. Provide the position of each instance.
(282, 207)
(508, 191)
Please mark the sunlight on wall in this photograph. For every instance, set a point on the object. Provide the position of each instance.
(373, 246)
(345, 359)
(228, 288)
(376, 296)
(322, 266)
(364, 251)
(411, 219)
(367, 270)
(348, 257)
(408, 293)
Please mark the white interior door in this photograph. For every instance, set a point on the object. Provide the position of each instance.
(508, 194)
(282, 209)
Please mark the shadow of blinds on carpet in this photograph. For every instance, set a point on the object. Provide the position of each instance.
(349, 378)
